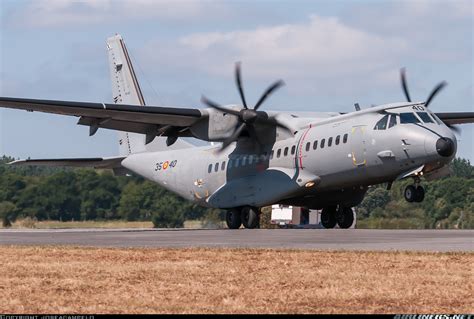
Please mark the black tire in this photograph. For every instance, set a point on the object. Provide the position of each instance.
(420, 194)
(250, 217)
(328, 217)
(410, 193)
(233, 219)
(345, 217)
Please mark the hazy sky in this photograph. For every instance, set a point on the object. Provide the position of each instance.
(331, 54)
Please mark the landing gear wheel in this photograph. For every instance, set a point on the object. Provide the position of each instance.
(250, 217)
(345, 217)
(233, 219)
(410, 193)
(328, 217)
(420, 194)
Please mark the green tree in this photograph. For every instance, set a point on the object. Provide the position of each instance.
(8, 212)
(168, 213)
(462, 168)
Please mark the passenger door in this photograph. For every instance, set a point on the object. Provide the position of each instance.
(358, 145)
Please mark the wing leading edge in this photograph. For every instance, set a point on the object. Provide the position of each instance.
(456, 117)
(152, 121)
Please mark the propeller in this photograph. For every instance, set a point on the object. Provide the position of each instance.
(430, 98)
(433, 93)
(248, 118)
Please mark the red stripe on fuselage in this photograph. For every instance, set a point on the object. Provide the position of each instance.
(300, 146)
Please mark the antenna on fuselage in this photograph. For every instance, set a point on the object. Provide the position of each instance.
(357, 106)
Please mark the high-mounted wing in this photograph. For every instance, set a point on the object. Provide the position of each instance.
(114, 163)
(98, 162)
(152, 121)
(456, 117)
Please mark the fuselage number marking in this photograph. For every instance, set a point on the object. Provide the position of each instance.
(165, 165)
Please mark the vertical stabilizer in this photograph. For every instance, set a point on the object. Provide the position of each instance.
(126, 90)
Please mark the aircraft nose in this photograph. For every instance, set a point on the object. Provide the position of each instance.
(445, 147)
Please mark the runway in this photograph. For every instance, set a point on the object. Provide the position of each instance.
(325, 239)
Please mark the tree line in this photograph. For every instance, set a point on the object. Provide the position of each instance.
(46, 193)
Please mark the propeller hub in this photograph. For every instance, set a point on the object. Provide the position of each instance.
(248, 116)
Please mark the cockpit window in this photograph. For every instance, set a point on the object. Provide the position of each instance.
(393, 121)
(408, 118)
(382, 124)
(437, 120)
(425, 117)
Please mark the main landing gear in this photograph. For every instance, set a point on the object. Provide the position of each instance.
(247, 216)
(342, 216)
(415, 192)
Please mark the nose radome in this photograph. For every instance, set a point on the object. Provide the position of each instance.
(445, 147)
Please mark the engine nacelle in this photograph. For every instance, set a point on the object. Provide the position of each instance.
(216, 127)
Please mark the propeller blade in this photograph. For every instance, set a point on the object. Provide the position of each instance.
(404, 84)
(434, 92)
(456, 129)
(253, 133)
(218, 107)
(239, 84)
(275, 122)
(270, 89)
(233, 137)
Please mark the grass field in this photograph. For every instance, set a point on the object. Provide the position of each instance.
(98, 280)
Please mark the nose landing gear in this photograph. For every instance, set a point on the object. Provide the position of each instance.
(414, 193)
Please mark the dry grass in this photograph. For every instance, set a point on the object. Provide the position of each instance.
(100, 280)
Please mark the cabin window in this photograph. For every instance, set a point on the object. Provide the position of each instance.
(231, 161)
(293, 150)
(264, 156)
(279, 153)
(425, 117)
(286, 151)
(271, 154)
(322, 142)
(250, 159)
(216, 167)
(344, 140)
(209, 169)
(393, 121)
(244, 160)
(223, 166)
(237, 162)
(408, 118)
(308, 145)
(330, 142)
(338, 138)
(382, 123)
(315, 145)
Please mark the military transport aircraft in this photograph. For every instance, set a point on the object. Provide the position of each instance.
(315, 160)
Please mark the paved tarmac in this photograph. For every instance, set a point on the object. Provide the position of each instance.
(327, 239)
